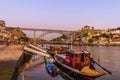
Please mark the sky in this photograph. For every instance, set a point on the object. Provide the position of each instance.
(61, 14)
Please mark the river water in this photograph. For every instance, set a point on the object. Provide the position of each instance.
(108, 57)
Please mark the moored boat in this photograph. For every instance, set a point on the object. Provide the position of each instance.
(51, 68)
(76, 62)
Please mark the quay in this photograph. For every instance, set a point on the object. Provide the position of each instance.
(9, 55)
(8, 58)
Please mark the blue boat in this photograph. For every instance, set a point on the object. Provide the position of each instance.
(51, 68)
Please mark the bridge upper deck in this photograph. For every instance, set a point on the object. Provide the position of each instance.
(31, 29)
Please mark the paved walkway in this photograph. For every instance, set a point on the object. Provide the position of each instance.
(2, 46)
(8, 58)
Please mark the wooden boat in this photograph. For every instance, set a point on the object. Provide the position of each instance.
(76, 62)
(51, 68)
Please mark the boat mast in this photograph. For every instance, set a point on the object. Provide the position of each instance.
(71, 47)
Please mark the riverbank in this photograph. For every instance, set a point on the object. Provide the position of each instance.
(81, 44)
(8, 58)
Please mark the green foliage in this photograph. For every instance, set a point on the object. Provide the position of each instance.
(90, 40)
(105, 35)
(60, 38)
(85, 34)
(24, 38)
(96, 37)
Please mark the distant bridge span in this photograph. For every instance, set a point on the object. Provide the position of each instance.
(46, 31)
(31, 29)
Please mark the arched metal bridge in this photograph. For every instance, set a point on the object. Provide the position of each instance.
(44, 31)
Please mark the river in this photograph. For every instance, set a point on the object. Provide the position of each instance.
(108, 57)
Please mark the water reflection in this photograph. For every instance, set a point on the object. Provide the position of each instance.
(110, 59)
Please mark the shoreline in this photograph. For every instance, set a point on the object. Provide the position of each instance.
(84, 44)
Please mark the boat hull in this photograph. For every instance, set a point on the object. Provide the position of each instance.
(74, 73)
(51, 68)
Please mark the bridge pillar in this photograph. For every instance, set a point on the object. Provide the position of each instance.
(34, 34)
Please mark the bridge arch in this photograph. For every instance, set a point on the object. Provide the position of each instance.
(45, 31)
(41, 36)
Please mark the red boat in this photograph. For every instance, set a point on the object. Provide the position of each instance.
(76, 62)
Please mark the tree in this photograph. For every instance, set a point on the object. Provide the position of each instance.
(105, 35)
(90, 40)
(85, 34)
